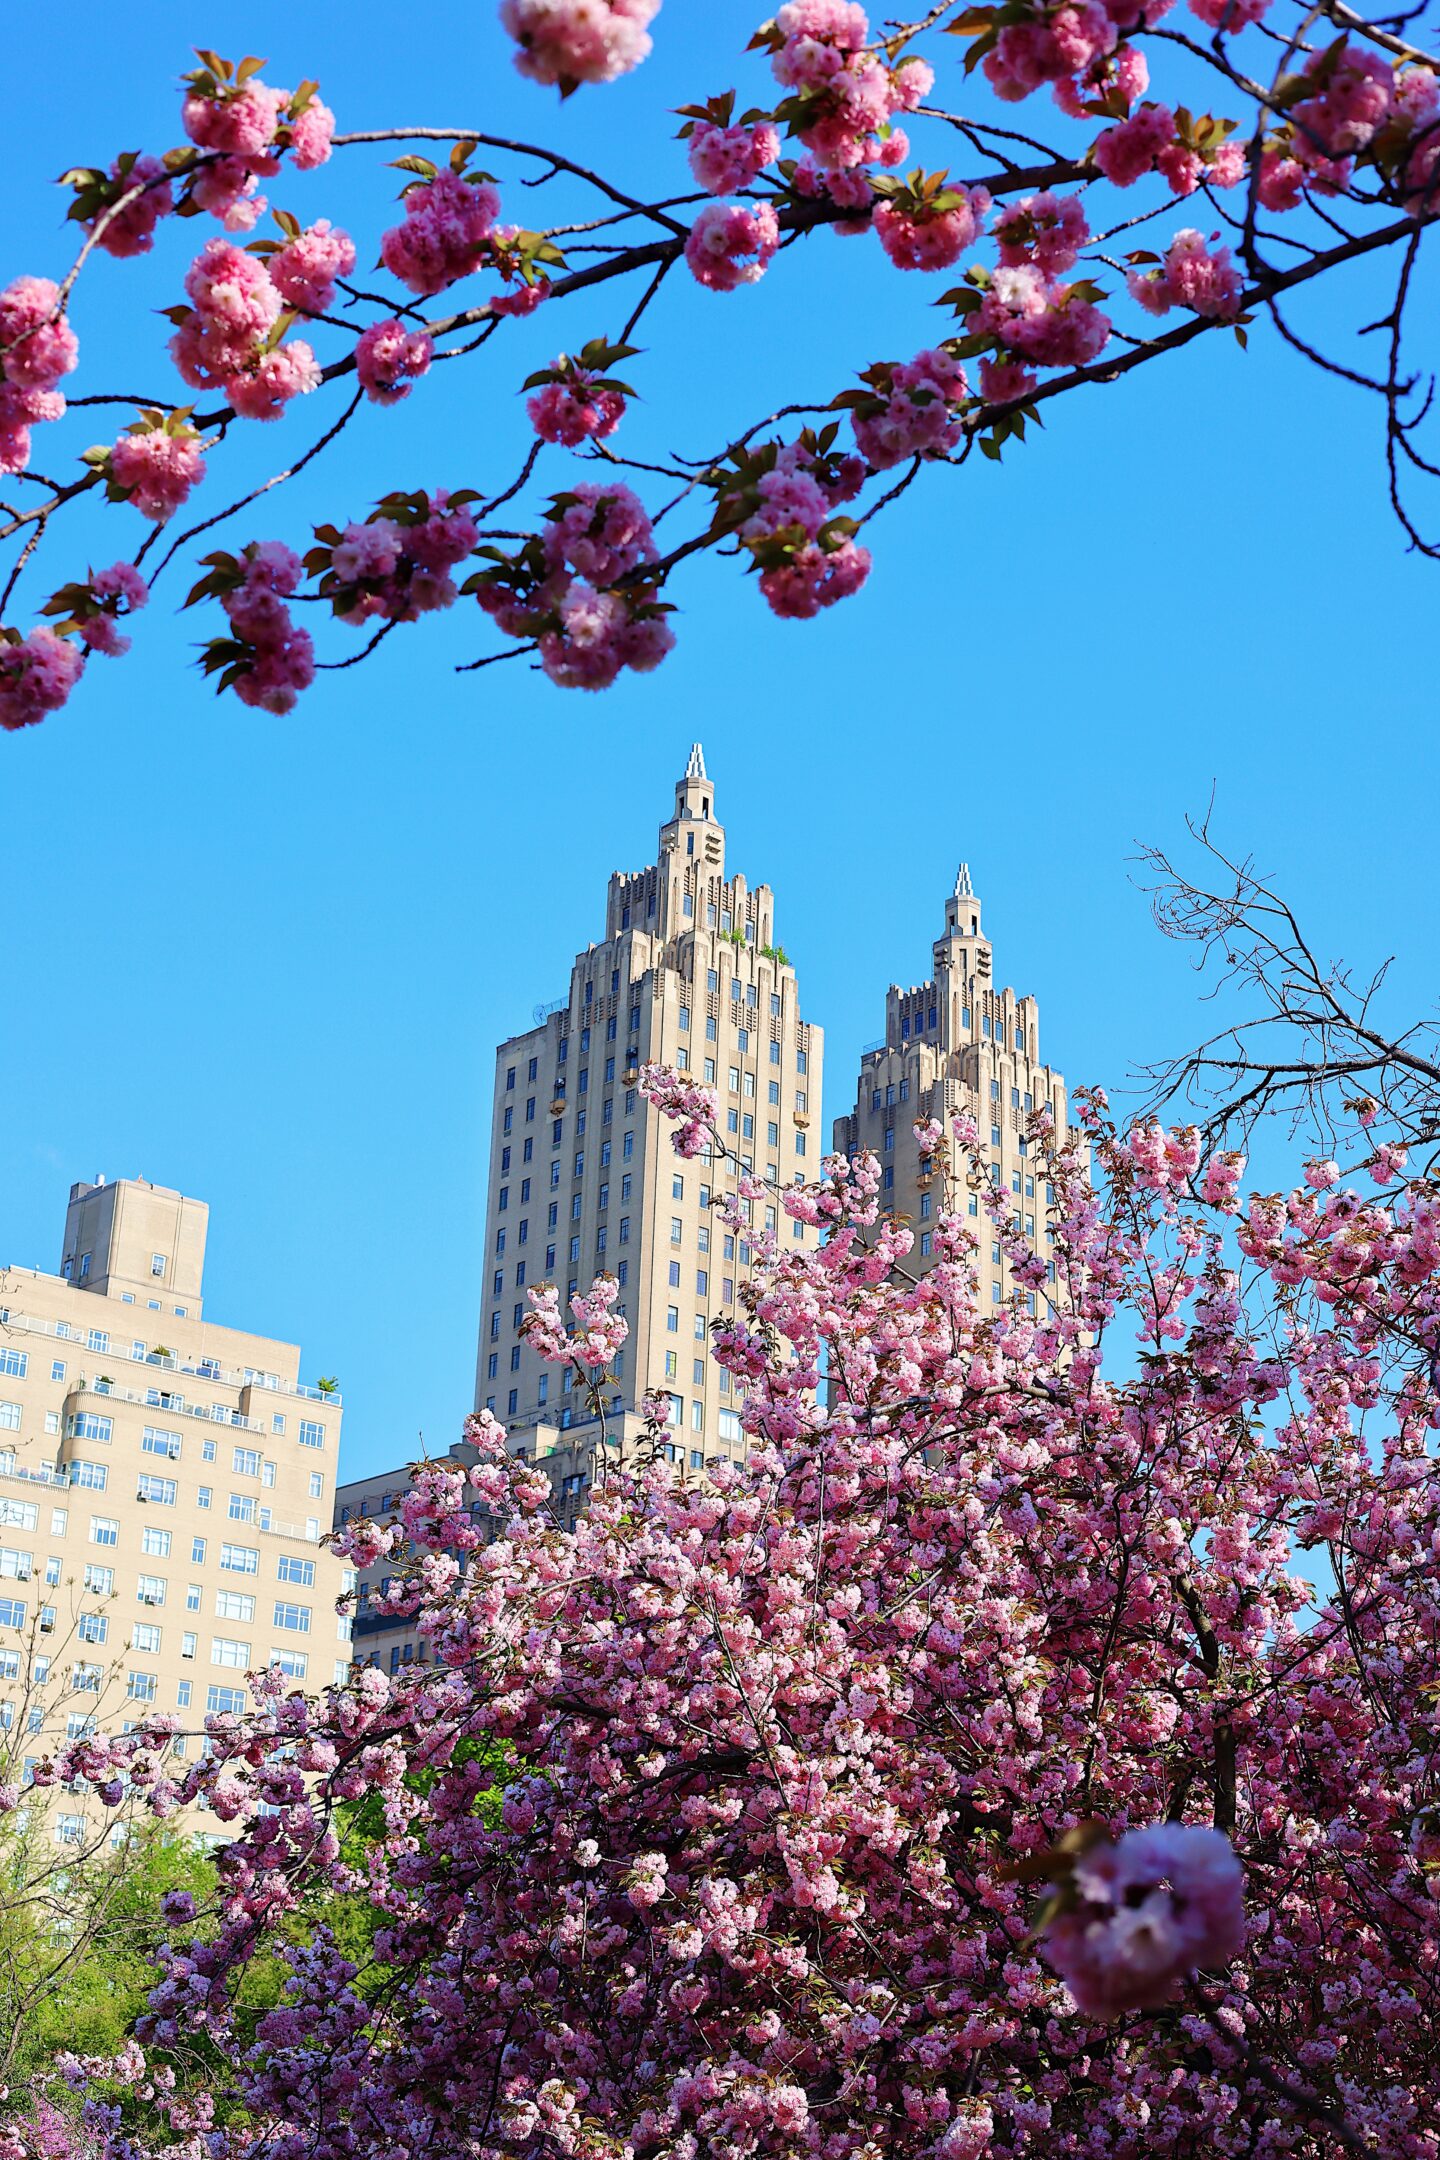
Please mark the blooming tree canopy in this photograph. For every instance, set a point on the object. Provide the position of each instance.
(1274, 146)
(1035, 1747)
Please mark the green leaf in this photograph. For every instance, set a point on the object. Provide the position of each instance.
(421, 167)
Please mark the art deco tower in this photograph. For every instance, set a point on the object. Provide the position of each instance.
(956, 1043)
(583, 1179)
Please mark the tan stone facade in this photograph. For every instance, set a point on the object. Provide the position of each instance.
(957, 1043)
(583, 1178)
(164, 1486)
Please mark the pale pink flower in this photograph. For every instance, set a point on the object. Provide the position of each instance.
(389, 358)
(1152, 1909)
(732, 244)
(304, 272)
(37, 675)
(570, 42)
(157, 467)
(445, 235)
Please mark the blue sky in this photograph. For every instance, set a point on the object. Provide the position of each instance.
(267, 960)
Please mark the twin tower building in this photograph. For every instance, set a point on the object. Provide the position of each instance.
(692, 972)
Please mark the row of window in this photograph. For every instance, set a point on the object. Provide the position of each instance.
(99, 1579)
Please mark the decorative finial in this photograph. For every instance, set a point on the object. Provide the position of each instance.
(964, 890)
(695, 770)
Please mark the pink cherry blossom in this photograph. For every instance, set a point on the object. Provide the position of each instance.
(445, 234)
(305, 270)
(1048, 47)
(110, 596)
(570, 42)
(1151, 1910)
(37, 675)
(277, 660)
(389, 358)
(732, 244)
(914, 412)
(570, 411)
(1126, 152)
(917, 237)
(1192, 276)
(1048, 230)
(37, 350)
(724, 159)
(156, 466)
(131, 231)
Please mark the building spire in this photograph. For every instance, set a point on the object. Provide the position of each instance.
(964, 890)
(695, 770)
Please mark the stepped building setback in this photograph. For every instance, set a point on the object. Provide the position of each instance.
(957, 1043)
(583, 1178)
(164, 1487)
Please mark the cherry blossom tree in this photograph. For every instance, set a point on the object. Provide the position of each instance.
(1033, 1747)
(1297, 142)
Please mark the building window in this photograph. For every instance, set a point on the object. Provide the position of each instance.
(157, 1265)
(294, 1618)
(161, 1490)
(672, 1319)
(312, 1433)
(289, 1568)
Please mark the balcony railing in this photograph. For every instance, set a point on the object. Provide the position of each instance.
(166, 1401)
(207, 1369)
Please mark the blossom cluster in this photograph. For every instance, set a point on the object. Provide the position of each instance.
(578, 591)
(38, 349)
(246, 126)
(232, 336)
(447, 230)
(693, 1109)
(569, 42)
(396, 565)
(843, 94)
(389, 358)
(600, 1332)
(268, 658)
(37, 675)
(912, 408)
(154, 464)
(782, 502)
(1192, 275)
(578, 398)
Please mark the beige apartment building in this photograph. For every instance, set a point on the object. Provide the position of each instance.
(954, 1044)
(690, 972)
(165, 1483)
